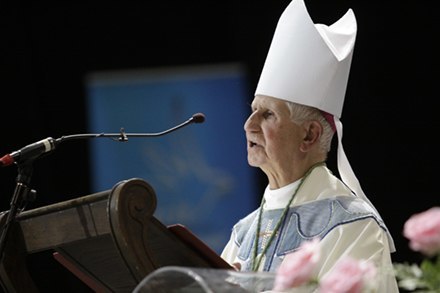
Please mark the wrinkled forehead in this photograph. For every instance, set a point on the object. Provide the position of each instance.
(267, 101)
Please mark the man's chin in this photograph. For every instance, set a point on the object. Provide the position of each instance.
(253, 163)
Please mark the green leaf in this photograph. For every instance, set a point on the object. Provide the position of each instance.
(422, 279)
(431, 273)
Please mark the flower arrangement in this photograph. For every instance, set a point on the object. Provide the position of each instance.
(347, 276)
(423, 232)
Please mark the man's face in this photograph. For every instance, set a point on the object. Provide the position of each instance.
(273, 139)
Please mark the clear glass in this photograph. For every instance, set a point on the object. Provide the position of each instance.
(174, 279)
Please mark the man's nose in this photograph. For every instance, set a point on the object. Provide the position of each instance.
(251, 123)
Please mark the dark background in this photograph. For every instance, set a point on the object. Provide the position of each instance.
(390, 114)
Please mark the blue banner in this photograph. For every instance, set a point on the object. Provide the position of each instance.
(200, 172)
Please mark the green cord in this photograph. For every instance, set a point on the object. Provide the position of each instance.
(255, 259)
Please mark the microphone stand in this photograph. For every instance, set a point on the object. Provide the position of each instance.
(23, 193)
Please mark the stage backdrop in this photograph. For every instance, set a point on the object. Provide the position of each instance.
(200, 172)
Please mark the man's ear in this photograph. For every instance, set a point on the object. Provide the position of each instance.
(313, 132)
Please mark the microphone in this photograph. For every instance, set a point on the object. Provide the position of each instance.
(47, 145)
(28, 152)
(198, 118)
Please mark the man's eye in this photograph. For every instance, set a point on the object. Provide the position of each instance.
(267, 114)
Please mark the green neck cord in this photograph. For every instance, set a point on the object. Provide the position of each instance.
(255, 259)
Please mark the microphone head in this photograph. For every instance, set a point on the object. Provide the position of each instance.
(198, 118)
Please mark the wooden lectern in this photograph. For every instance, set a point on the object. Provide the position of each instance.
(109, 240)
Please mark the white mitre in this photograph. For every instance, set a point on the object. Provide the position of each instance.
(309, 64)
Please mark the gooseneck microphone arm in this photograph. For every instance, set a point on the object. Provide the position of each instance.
(122, 136)
(32, 151)
(25, 156)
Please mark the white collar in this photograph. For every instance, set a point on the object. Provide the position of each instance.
(320, 184)
(278, 198)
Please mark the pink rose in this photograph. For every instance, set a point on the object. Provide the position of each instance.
(348, 276)
(297, 267)
(423, 231)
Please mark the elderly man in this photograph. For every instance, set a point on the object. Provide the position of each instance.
(295, 113)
